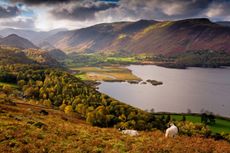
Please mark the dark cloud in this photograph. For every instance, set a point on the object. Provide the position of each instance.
(84, 10)
(133, 9)
(8, 11)
(167, 9)
(38, 2)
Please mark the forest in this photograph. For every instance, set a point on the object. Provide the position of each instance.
(61, 90)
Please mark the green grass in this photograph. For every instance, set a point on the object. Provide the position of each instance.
(121, 59)
(221, 125)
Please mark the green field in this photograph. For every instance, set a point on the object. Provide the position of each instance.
(103, 59)
(121, 59)
(221, 125)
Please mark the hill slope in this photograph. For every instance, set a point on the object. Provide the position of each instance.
(14, 40)
(9, 55)
(24, 128)
(167, 37)
(96, 37)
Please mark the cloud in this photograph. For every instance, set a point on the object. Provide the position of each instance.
(158, 9)
(7, 11)
(39, 2)
(218, 11)
(73, 14)
(18, 23)
(84, 10)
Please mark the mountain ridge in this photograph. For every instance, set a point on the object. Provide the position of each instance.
(155, 37)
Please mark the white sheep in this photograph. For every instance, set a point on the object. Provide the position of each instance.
(172, 131)
(129, 132)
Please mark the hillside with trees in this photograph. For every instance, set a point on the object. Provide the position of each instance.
(25, 127)
(58, 89)
(11, 55)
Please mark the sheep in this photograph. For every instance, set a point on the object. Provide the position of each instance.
(172, 131)
(129, 132)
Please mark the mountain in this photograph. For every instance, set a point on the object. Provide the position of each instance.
(224, 23)
(14, 40)
(35, 36)
(97, 37)
(153, 37)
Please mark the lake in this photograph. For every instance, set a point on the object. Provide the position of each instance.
(197, 89)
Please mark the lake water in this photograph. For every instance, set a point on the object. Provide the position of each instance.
(192, 88)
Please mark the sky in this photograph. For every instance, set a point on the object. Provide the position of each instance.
(44, 15)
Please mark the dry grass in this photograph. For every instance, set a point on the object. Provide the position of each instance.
(106, 73)
(62, 133)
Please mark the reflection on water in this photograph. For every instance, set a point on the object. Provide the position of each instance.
(193, 88)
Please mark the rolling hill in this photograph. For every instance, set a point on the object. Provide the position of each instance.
(14, 40)
(153, 37)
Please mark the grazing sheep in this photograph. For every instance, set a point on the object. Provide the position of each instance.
(129, 132)
(172, 131)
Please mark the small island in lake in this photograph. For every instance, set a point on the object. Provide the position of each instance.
(154, 82)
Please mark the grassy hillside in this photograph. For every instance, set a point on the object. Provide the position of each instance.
(23, 128)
